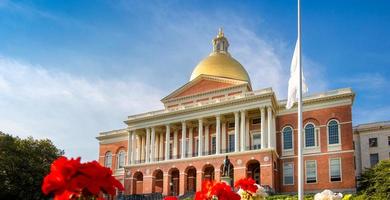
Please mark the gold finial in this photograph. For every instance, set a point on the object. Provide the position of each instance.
(220, 32)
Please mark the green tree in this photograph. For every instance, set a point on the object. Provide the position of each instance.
(23, 165)
(375, 182)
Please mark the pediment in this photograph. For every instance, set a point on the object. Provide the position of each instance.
(203, 84)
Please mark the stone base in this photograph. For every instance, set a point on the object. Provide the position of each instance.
(227, 180)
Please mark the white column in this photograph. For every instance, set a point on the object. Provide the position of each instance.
(167, 139)
(236, 132)
(143, 147)
(269, 126)
(200, 137)
(242, 130)
(152, 145)
(247, 134)
(263, 137)
(129, 148)
(224, 137)
(139, 146)
(156, 146)
(183, 139)
(273, 131)
(147, 149)
(206, 139)
(218, 134)
(190, 141)
(175, 141)
(161, 146)
(134, 147)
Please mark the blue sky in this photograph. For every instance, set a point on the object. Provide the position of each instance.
(71, 69)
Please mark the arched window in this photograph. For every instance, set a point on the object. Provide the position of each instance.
(287, 138)
(108, 159)
(333, 132)
(310, 140)
(121, 159)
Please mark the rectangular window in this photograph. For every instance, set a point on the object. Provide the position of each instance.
(373, 142)
(388, 140)
(288, 173)
(335, 169)
(256, 121)
(231, 143)
(374, 159)
(256, 141)
(311, 171)
(213, 144)
(171, 149)
(196, 146)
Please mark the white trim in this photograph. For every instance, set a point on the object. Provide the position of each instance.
(252, 133)
(304, 136)
(117, 160)
(284, 163)
(340, 168)
(333, 147)
(315, 162)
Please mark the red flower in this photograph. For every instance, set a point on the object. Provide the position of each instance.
(69, 179)
(62, 170)
(220, 190)
(170, 198)
(247, 184)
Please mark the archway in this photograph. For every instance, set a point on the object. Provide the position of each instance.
(174, 175)
(208, 172)
(231, 175)
(190, 185)
(157, 181)
(253, 170)
(138, 178)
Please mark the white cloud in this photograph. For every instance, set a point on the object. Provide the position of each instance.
(68, 109)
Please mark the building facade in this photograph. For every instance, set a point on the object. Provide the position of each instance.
(217, 114)
(372, 144)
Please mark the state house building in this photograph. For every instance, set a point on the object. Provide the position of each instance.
(217, 114)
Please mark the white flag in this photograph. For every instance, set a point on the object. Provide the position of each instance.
(294, 79)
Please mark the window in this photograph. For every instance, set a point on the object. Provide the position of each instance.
(373, 142)
(388, 140)
(121, 159)
(310, 140)
(108, 160)
(311, 171)
(335, 169)
(196, 146)
(288, 174)
(171, 149)
(256, 121)
(333, 132)
(256, 139)
(374, 159)
(287, 138)
(213, 144)
(231, 143)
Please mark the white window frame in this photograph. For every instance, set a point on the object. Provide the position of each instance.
(252, 138)
(285, 163)
(333, 147)
(118, 159)
(228, 146)
(211, 143)
(105, 159)
(288, 151)
(315, 161)
(341, 171)
(315, 136)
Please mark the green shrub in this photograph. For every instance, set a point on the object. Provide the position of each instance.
(375, 182)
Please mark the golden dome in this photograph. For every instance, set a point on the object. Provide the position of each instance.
(220, 63)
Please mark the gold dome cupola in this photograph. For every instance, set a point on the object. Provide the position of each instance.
(220, 63)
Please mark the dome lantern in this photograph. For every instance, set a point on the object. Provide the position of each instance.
(220, 63)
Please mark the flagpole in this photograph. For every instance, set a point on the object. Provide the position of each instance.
(300, 157)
